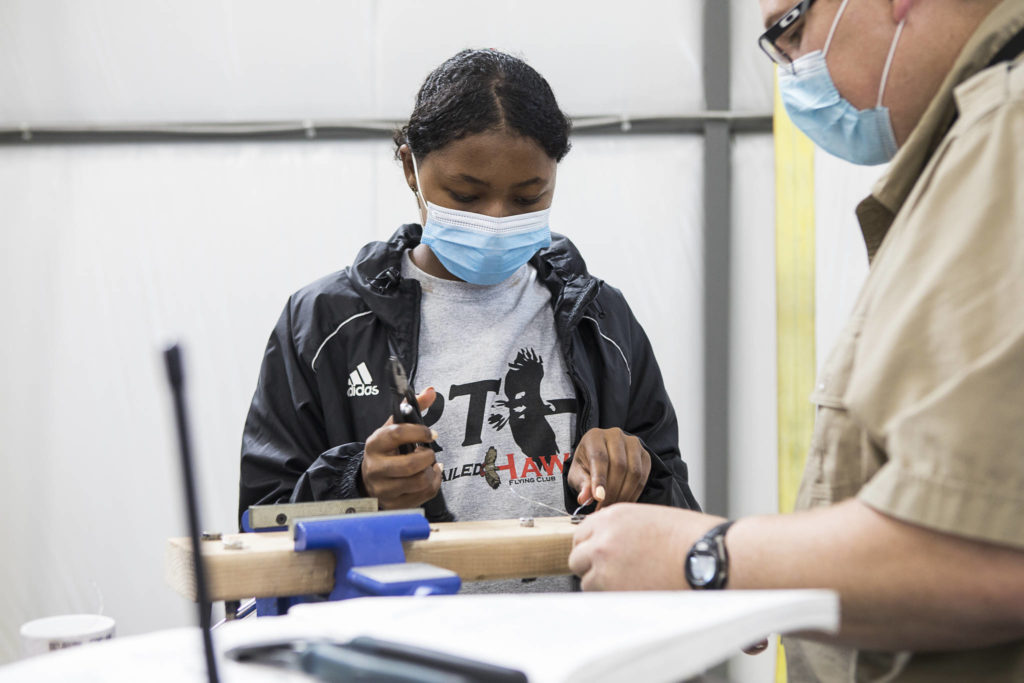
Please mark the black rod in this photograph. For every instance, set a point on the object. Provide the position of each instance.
(717, 257)
(175, 376)
(757, 122)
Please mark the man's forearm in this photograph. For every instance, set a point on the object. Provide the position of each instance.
(901, 586)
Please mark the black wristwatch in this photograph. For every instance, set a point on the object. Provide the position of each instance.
(707, 563)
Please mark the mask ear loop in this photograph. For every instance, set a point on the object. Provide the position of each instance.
(416, 172)
(888, 62)
(832, 31)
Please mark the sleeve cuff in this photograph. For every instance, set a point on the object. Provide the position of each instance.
(947, 505)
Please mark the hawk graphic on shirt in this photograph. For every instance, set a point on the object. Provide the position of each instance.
(490, 470)
(524, 410)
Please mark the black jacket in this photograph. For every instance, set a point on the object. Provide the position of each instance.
(303, 438)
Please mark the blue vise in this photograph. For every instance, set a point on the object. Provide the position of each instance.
(370, 557)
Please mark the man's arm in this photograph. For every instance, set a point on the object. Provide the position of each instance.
(901, 586)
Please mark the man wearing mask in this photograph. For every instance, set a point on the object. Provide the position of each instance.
(912, 501)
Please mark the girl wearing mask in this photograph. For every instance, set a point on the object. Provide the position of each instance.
(540, 388)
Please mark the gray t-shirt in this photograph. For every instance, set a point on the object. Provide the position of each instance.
(505, 410)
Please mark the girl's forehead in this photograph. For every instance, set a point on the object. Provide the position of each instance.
(493, 153)
(489, 142)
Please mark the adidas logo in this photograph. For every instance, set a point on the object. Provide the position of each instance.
(360, 383)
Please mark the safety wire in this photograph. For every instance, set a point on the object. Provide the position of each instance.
(561, 513)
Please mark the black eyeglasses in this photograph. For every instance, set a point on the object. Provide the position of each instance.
(785, 33)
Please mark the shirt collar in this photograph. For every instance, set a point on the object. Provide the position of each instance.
(877, 212)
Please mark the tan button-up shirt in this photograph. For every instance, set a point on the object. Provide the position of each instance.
(921, 402)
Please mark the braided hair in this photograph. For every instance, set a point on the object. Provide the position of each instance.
(482, 90)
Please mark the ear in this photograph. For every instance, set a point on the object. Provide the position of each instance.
(406, 156)
(900, 9)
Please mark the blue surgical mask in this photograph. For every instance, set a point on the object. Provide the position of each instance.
(814, 104)
(481, 249)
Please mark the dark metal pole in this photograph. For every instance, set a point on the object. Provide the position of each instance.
(175, 377)
(738, 122)
(717, 253)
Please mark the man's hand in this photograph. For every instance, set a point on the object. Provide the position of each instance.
(397, 480)
(636, 547)
(609, 466)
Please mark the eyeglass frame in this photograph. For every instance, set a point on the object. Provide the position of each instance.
(767, 39)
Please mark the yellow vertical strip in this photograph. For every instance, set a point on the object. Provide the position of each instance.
(794, 286)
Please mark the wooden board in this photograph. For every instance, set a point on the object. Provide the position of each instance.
(267, 566)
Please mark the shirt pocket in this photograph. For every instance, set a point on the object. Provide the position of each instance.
(833, 471)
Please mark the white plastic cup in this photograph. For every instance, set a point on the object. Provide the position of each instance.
(67, 630)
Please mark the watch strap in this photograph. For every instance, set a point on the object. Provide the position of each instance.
(714, 540)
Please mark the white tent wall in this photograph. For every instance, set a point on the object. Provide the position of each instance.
(108, 250)
(751, 82)
(118, 247)
(264, 60)
(753, 416)
(753, 412)
(841, 258)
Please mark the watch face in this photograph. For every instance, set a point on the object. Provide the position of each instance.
(702, 567)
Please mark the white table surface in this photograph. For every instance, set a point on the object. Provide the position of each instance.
(685, 633)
